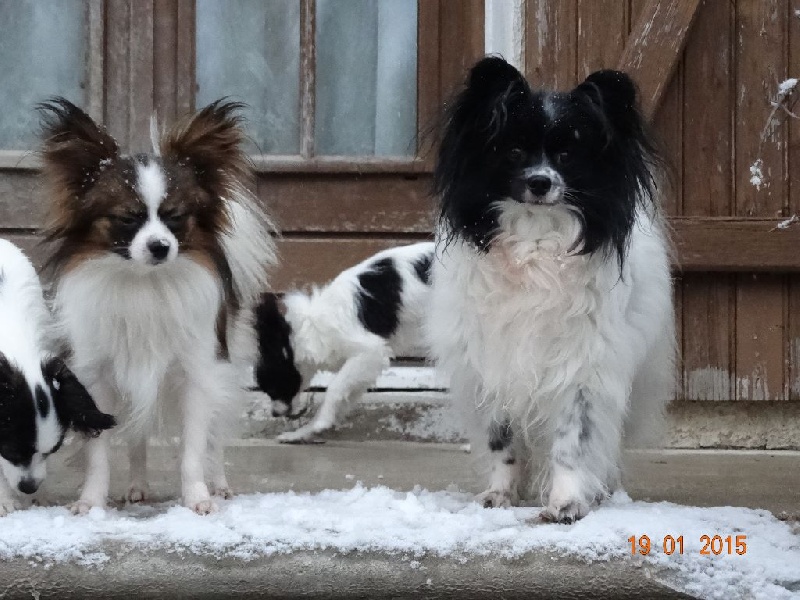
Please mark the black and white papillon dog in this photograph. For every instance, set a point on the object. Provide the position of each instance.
(368, 314)
(157, 260)
(552, 302)
(40, 398)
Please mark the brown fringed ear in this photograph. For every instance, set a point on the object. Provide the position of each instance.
(74, 148)
(210, 142)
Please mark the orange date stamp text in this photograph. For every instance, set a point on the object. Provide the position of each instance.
(715, 545)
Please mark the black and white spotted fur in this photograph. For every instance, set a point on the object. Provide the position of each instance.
(353, 325)
(40, 398)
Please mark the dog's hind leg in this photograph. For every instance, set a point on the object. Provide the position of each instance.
(216, 469)
(353, 379)
(138, 491)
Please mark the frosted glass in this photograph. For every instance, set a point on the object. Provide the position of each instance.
(366, 77)
(43, 46)
(250, 50)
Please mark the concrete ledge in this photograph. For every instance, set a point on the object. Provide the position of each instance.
(426, 416)
(325, 575)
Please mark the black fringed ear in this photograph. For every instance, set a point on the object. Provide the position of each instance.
(74, 405)
(614, 93)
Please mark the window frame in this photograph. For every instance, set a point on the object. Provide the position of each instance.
(11, 159)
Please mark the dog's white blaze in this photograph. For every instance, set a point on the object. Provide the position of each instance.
(151, 184)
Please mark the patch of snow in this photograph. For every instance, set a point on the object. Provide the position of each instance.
(419, 523)
(788, 222)
(756, 175)
(786, 87)
(436, 423)
(396, 378)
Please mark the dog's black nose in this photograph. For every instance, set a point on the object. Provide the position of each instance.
(158, 248)
(28, 486)
(539, 185)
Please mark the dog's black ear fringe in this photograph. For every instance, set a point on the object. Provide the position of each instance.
(74, 405)
(472, 120)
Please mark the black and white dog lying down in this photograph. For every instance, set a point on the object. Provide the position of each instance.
(40, 398)
(353, 325)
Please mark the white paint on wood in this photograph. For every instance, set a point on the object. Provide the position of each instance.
(708, 383)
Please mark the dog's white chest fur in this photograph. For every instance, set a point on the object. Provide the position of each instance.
(131, 328)
(528, 321)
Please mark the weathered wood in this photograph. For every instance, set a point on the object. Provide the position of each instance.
(173, 67)
(655, 46)
(707, 315)
(602, 32)
(708, 299)
(369, 204)
(551, 43)
(760, 51)
(793, 162)
(761, 64)
(668, 125)
(461, 42)
(731, 244)
(760, 322)
(429, 101)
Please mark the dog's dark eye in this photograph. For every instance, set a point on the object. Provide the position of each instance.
(563, 158)
(127, 219)
(173, 220)
(516, 156)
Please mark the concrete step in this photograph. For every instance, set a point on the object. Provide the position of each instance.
(769, 480)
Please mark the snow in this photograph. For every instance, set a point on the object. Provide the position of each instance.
(756, 175)
(788, 222)
(786, 87)
(412, 525)
(396, 378)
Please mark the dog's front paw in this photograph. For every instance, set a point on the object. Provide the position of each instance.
(304, 435)
(197, 498)
(564, 513)
(8, 505)
(137, 493)
(497, 499)
(84, 505)
(568, 500)
(204, 507)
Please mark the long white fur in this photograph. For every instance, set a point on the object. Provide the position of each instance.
(555, 343)
(144, 343)
(327, 335)
(25, 328)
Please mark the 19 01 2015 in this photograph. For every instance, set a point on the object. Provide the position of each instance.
(710, 545)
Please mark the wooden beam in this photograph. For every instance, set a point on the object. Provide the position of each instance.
(702, 244)
(731, 244)
(655, 47)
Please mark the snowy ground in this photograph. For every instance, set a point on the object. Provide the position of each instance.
(419, 523)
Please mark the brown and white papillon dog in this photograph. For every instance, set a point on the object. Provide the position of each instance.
(156, 260)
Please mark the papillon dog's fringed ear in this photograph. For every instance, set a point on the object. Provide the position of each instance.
(614, 92)
(211, 143)
(74, 148)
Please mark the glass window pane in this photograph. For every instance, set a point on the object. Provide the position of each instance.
(43, 46)
(366, 77)
(250, 50)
